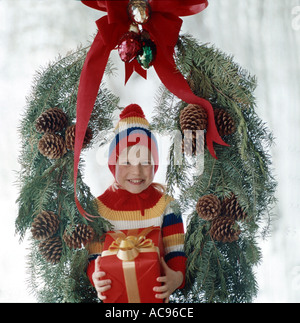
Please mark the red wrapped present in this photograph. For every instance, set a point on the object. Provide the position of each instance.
(131, 260)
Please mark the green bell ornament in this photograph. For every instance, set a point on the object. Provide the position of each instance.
(148, 54)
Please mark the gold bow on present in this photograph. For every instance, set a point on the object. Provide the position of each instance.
(127, 248)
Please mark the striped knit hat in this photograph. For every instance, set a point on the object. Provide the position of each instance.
(132, 129)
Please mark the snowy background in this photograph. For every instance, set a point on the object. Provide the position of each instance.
(263, 36)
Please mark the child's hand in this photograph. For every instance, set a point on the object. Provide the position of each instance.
(172, 280)
(100, 285)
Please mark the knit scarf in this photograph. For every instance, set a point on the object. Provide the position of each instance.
(122, 200)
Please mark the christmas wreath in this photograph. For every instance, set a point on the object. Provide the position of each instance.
(228, 205)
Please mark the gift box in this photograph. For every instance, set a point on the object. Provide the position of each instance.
(131, 260)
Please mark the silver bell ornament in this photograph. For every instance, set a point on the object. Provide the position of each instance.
(139, 11)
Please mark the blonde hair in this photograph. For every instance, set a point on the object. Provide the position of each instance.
(160, 187)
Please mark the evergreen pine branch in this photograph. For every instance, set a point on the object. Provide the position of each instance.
(48, 185)
(221, 272)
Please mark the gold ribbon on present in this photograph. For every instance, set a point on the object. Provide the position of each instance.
(127, 248)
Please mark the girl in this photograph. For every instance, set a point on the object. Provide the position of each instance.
(134, 201)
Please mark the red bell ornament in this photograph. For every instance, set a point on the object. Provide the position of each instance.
(130, 46)
(139, 11)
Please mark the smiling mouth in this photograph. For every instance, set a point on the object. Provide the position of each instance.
(136, 181)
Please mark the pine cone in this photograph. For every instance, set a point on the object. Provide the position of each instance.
(51, 249)
(44, 225)
(224, 122)
(208, 207)
(80, 236)
(232, 208)
(224, 229)
(193, 117)
(52, 146)
(51, 120)
(70, 137)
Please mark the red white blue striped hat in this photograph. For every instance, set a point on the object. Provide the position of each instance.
(132, 129)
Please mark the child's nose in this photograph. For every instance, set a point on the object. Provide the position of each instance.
(136, 169)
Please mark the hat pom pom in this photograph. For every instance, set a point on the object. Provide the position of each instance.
(132, 110)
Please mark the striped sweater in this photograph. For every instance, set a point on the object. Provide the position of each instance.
(126, 211)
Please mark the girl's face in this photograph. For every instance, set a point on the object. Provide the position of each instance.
(135, 169)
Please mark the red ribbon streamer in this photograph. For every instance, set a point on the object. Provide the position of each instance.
(163, 27)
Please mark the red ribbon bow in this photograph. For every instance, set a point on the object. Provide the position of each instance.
(163, 27)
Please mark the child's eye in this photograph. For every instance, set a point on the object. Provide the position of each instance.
(146, 163)
(125, 163)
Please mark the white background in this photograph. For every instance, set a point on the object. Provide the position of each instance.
(263, 36)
